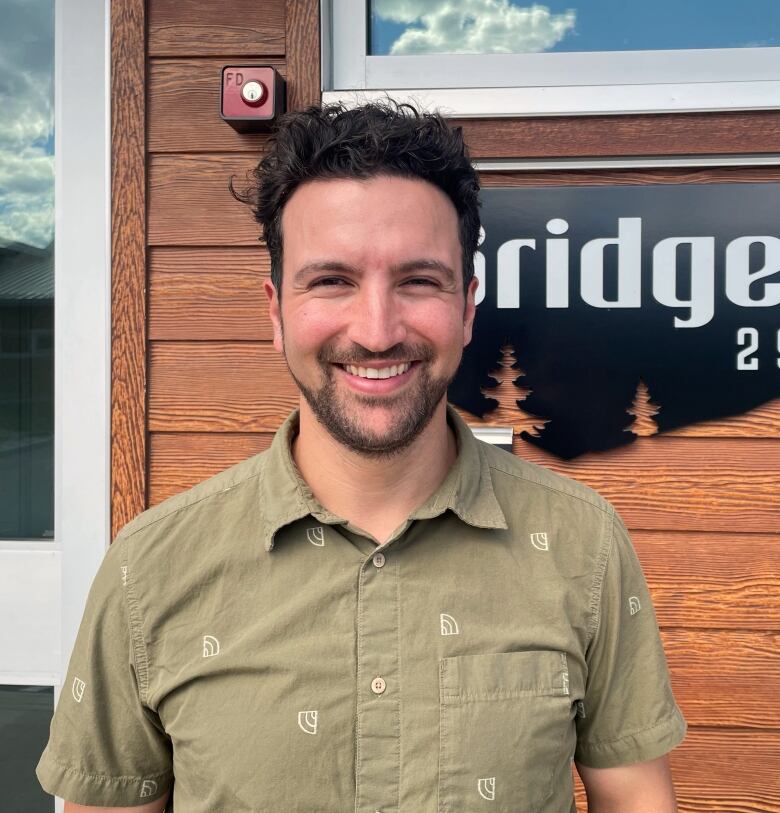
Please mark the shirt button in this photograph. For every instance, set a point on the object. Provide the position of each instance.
(379, 559)
(378, 685)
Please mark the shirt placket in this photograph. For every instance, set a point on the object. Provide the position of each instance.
(378, 727)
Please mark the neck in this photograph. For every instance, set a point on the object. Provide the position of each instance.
(374, 493)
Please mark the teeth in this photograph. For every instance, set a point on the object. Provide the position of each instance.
(375, 372)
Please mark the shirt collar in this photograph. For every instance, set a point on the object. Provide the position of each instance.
(467, 489)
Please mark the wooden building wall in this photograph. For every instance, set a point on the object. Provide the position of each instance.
(197, 385)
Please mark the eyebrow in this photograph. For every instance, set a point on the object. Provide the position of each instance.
(335, 266)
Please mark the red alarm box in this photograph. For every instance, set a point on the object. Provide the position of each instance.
(252, 97)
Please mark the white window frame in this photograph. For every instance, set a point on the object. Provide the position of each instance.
(605, 82)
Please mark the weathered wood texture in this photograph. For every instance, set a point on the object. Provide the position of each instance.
(593, 136)
(208, 294)
(303, 53)
(128, 263)
(242, 28)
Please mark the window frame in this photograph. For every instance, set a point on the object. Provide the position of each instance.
(607, 82)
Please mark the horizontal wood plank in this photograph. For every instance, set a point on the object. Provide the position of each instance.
(662, 482)
(721, 678)
(201, 294)
(727, 771)
(201, 27)
(184, 99)
(190, 202)
(590, 136)
(721, 580)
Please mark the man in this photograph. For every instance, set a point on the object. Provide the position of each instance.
(379, 613)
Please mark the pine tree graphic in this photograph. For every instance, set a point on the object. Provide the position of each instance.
(642, 408)
(509, 411)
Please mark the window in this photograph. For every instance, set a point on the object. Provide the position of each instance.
(27, 270)
(510, 57)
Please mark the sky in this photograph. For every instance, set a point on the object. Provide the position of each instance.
(27, 122)
(512, 26)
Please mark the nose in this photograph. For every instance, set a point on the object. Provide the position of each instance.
(377, 322)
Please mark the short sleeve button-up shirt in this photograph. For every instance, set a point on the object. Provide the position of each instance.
(259, 653)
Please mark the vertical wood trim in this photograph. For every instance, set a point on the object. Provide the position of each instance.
(128, 261)
(303, 53)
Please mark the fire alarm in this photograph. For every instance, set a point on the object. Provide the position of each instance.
(252, 97)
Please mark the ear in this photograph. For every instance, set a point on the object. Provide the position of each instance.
(275, 313)
(470, 311)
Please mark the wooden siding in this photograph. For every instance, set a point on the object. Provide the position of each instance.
(128, 262)
(190, 318)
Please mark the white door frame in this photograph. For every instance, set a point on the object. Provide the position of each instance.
(44, 583)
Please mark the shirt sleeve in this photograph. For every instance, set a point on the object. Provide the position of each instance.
(629, 713)
(106, 746)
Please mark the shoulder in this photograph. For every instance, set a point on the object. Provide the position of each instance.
(218, 495)
(508, 471)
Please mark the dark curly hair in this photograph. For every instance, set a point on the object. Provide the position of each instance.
(379, 138)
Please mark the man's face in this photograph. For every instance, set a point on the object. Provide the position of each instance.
(372, 319)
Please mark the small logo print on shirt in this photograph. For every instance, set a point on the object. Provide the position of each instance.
(124, 574)
(148, 787)
(316, 536)
(539, 541)
(449, 626)
(307, 721)
(580, 709)
(78, 689)
(487, 788)
(634, 605)
(210, 646)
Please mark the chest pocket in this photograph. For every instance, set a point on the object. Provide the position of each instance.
(506, 733)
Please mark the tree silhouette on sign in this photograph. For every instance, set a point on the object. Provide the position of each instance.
(643, 409)
(510, 410)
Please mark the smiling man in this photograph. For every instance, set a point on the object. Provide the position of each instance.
(380, 613)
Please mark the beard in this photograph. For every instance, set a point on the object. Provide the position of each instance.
(412, 409)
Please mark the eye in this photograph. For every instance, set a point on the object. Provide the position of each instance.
(420, 281)
(328, 282)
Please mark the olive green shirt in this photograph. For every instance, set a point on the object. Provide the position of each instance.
(269, 656)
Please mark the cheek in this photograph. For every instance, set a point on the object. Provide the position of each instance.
(309, 326)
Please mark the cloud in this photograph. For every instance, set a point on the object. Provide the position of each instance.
(27, 122)
(474, 26)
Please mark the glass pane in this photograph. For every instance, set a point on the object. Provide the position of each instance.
(514, 27)
(25, 716)
(26, 269)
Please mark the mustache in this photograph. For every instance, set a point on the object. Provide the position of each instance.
(357, 354)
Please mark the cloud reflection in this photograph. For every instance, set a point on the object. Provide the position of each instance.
(473, 26)
(27, 122)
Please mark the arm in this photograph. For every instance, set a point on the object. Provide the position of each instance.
(644, 787)
(157, 806)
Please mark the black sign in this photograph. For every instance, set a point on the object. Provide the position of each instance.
(600, 288)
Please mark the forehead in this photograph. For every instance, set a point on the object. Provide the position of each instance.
(370, 221)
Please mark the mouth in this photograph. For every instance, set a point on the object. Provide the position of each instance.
(376, 380)
(390, 371)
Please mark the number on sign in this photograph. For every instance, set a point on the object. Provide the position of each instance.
(747, 336)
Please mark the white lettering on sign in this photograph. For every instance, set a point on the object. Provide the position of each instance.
(743, 286)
